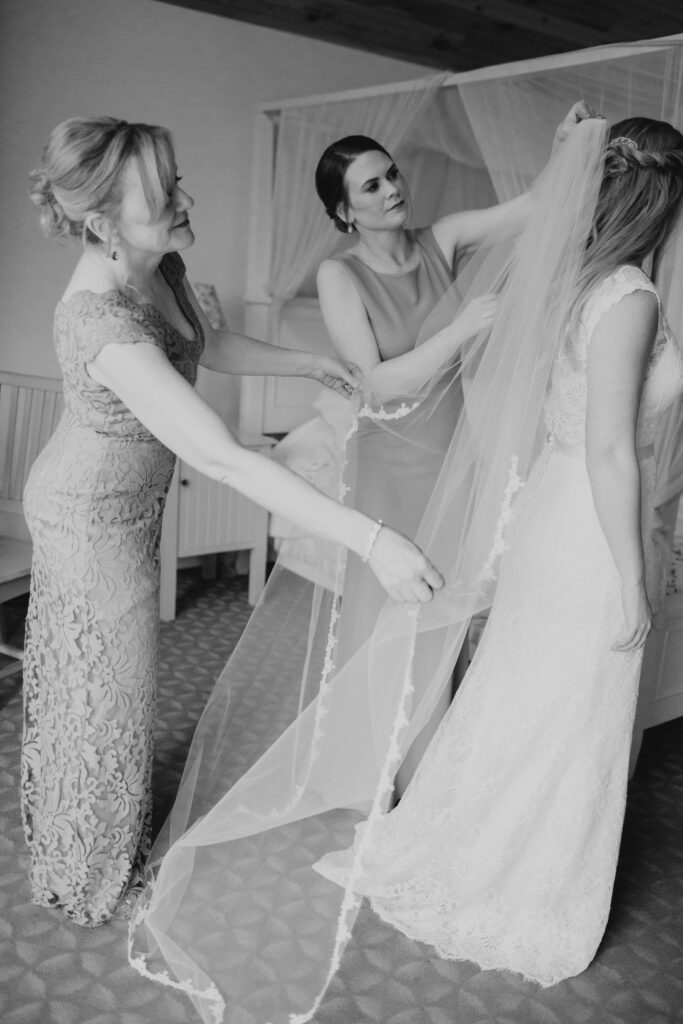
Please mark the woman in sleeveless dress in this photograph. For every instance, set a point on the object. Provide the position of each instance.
(503, 849)
(129, 337)
(375, 298)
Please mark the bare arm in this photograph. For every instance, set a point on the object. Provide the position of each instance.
(618, 355)
(229, 351)
(470, 229)
(352, 336)
(168, 406)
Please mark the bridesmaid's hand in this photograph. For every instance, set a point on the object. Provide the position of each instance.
(478, 314)
(637, 618)
(578, 112)
(330, 371)
(404, 572)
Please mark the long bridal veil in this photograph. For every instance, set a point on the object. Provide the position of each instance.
(299, 742)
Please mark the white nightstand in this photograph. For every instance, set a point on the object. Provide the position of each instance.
(203, 517)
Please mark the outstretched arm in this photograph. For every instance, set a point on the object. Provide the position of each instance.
(470, 229)
(168, 406)
(229, 351)
(617, 359)
(352, 336)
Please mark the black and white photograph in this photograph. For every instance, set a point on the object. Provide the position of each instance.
(341, 531)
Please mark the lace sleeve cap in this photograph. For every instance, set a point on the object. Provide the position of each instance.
(622, 282)
(99, 320)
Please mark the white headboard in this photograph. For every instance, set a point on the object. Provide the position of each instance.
(275, 405)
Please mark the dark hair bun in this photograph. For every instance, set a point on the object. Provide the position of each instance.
(331, 169)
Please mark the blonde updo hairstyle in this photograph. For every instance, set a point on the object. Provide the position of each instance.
(82, 168)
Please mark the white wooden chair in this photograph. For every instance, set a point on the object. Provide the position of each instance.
(29, 410)
(204, 517)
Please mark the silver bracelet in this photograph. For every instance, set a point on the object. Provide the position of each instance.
(372, 540)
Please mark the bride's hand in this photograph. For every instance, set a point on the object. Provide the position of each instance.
(578, 112)
(330, 371)
(404, 572)
(637, 618)
(478, 314)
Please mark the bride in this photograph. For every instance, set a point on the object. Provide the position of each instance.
(503, 850)
(503, 847)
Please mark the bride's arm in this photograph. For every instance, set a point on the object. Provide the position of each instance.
(349, 328)
(470, 229)
(617, 359)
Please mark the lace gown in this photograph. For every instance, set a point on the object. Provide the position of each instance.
(503, 849)
(93, 502)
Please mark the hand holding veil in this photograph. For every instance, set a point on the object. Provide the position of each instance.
(296, 747)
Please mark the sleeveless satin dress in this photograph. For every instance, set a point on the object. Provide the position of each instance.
(394, 469)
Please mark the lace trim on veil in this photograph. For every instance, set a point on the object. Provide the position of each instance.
(501, 472)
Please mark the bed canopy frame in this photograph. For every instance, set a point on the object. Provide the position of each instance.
(462, 141)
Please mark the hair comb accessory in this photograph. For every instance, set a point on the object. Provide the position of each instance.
(624, 140)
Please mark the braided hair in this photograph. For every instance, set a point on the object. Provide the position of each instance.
(640, 196)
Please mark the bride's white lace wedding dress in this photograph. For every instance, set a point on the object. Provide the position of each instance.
(503, 849)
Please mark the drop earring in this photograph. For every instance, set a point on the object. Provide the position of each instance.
(349, 229)
(114, 255)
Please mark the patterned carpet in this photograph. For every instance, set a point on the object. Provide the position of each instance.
(52, 972)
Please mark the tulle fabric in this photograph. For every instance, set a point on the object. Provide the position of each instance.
(299, 744)
(503, 849)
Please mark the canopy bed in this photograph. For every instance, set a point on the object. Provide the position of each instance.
(462, 140)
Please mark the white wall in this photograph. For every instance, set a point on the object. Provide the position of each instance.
(199, 75)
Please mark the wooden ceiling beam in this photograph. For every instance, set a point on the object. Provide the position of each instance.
(454, 35)
(346, 22)
(506, 12)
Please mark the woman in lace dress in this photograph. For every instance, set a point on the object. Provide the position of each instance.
(129, 336)
(503, 849)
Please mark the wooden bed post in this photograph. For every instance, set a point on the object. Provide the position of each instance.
(257, 302)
